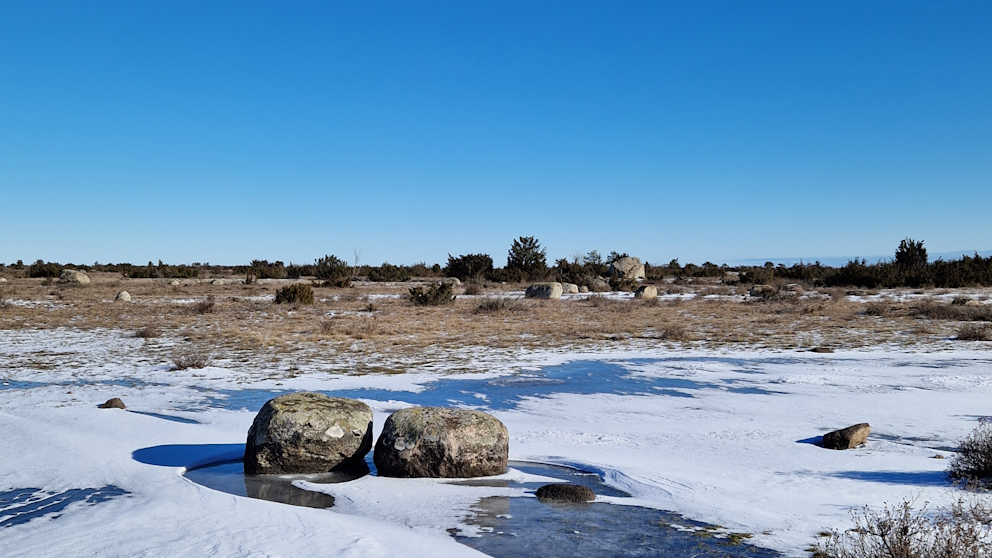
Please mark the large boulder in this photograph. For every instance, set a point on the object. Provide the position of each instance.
(599, 285)
(647, 292)
(123, 296)
(307, 433)
(441, 442)
(544, 290)
(72, 276)
(847, 438)
(627, 268)
(583, 289)
(762, 291)
(569, 288)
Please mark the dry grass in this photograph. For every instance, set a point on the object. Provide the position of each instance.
(244, 318)
(190, 357)
(975, 332)
(147, 332)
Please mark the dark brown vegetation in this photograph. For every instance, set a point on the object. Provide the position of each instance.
(973, 461)
(297, 293)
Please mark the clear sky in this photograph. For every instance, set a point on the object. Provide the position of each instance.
(224, 132)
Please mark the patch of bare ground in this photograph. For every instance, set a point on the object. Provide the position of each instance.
(378, 318)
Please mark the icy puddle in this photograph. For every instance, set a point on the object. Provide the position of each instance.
(522, 525)
(583, 377)
(21, 505)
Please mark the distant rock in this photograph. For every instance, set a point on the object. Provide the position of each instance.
(565, 493)
(123, 296)
(647, 292)
(174, 283)
(544, 290)
(307, 433)
(3, 280)
(441, 442)
(72, 276)
(972, 302)
(217, 282)
(731, 277)
(794, 288)
(762, 291)
(114, 403)
(583, 289)
(847, 438)
(569, 288)
(453, 281)
(821, 350)
(627, 268)
(599, 285)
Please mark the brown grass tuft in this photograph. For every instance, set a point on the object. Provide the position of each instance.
(975, 332)
(189, 358)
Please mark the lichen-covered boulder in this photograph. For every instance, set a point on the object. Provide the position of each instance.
(544, 290)
(441, 442)
(847, 438)
(72, 276)
(123, 296)
(647, 292)
(565, 493)
(307, 433)
(627, 268)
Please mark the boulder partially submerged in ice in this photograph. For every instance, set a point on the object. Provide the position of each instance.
(544, 290)
(441, 442)
(847, 438)
(565, 493)
(72, 276)
(306, 433)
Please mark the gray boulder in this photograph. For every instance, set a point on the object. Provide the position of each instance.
(72, 276)
(627, 268)
(599, 285)
(762, 290)
(544, 290)
(3, 279)
(307, 433)
(583, 289)
(569, 288)
(123, 296)
(441, 442)
(217, 282)
(174, 283)
(565, 493)
(453, 281)
(847, 438)
(647, 292)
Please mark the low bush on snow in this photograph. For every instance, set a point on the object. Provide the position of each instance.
(973, 462)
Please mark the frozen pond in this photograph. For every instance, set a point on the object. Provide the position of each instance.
(522, 525)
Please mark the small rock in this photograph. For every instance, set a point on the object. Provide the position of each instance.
(174, 283)
(972, 302)
(123, 296)
(544, 290)
(307, 433)
(73, 276)
(598, 285)
(847, 438)
(938, 456)
(114, 403)
(583, 289)
(3, 279)
(217, 282)
(569, 288)
(647, 292)
(821, 350)
(565, 493)
(762, 290)
(453, 281)
(731, 277)
(441, 442)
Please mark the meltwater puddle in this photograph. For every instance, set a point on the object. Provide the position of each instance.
(582, 377)
(523, 525)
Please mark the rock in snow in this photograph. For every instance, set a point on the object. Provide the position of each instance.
(565, 493)
(647, 292)
(307, 433)
(569, 288)
(847, 438)
(544, 290)
(114, 403)
(441, 442)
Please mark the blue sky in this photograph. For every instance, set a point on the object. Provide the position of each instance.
(722, 131)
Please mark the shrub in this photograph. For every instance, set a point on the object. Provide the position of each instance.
(420, 269)
(333, 272)
(42, 269)
(388, 272)
(496, 304)
(674, 332)
(622, 285)
(973, 462)
(506, 275)
(147, 332)
(190, 358)
(879, 309)
(975, 332)
(297, 293)
(203, 306)
(473, 289)
(294, 271)
(436, 295)
(262, 269)
(469, 266)
(903, 532)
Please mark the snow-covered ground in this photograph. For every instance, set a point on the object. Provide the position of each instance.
(729, 445)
